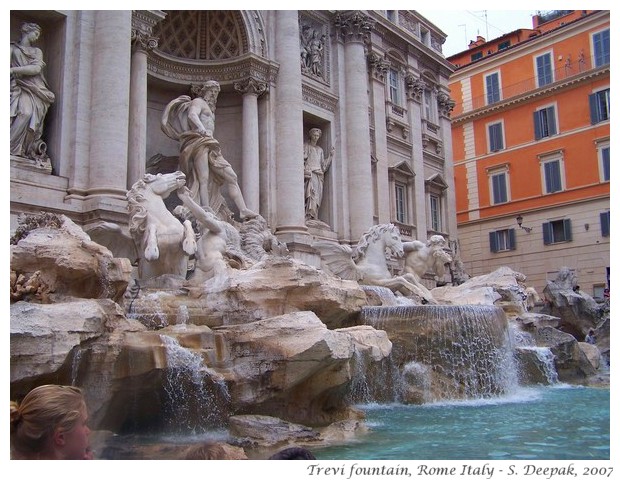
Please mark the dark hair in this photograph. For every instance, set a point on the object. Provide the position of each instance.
(293, 453)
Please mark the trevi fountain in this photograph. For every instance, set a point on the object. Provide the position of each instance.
(203, 326)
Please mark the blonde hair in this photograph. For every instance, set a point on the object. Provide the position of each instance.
(42, 411)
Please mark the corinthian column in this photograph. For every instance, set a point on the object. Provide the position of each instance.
(415, 91)
(251, 89)
(353, 27)
(110, 97)
(142, 41)
(289, 127)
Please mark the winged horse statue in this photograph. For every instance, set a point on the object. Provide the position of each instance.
(367, 262)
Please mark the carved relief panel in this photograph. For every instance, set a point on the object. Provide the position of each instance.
(314, 48)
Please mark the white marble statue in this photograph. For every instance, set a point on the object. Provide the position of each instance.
(30, 96)
(368, 264)
(192, 123)
(211, 244)
(162, 241)
(421, 257)
(315, 166)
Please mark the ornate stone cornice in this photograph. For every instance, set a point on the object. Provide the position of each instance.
(379, 66)
(250, 86)
(353, 25)
(142, 23)
(226, 72)
(319, 98)
(414, 88)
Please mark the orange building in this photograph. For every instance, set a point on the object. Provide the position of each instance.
(531, 149)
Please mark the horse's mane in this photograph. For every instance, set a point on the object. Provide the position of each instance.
(371, 236)
(136, 205)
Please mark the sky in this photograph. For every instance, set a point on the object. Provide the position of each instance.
(462, 26)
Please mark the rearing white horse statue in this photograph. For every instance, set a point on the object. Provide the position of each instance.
(162, 241)
(367, 263)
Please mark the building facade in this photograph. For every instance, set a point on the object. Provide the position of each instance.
(531, 146)
(374, 82)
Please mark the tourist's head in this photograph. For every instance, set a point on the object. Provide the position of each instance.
(50, 423)
(293, 453)
(215, 451)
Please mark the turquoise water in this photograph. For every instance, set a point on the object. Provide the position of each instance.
(538, 423)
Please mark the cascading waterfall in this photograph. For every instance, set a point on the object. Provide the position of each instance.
(545, 359)
(75, 365)
(444, 352)
(196, 396)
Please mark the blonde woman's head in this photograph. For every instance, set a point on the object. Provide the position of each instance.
(49, 421)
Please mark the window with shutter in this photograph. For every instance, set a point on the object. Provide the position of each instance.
(544, 70)
(600, 41)
(557, 231)
(605, 224)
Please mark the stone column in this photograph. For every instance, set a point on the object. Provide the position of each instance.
(353, 27)
(142, 23)
(446, 105)
(110, 97)
(289, 128)
(251, 89)
(415, 91)
(379, 67)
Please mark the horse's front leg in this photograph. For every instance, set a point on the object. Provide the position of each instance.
(151, 250)
(189, 238)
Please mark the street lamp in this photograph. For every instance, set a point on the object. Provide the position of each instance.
(520, 223)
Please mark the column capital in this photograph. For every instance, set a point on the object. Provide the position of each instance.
(445, 103)
(353, 25)
(142, 23)
(415, 87)
(250, 85)
(379, 66)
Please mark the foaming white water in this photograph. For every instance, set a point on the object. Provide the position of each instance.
(518, 395)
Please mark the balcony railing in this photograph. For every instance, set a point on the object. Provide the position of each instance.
(571, 68)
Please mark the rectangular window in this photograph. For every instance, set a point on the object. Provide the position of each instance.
(476, 56)
(503, 45)
(544, 123)
(496, 137)
(492, 88)
(604, 156)
(393, 79)
(499, 188)
(391, 15)
(544, 70)
(503, 240)
(401, 203)
(599, 106)
(600, 41)
(553, 176)
(605, 224)
(435, 203)
(557, 231)
(429, 106)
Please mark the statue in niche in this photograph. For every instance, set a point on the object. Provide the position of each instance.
(312, 51)
(30, 97)
(315, 167)
(421, 257)
(192, 123)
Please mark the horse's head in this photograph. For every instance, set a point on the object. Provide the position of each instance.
(163, 184)
(392, 241)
